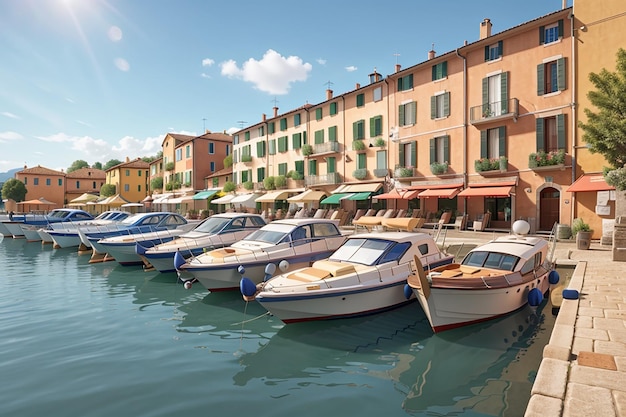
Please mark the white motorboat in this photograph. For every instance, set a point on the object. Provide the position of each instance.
(292, 243)
(218, 231)
(366, 275)
(493, 279)
(65, 235)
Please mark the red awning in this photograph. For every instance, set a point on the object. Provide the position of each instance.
(589, 182)
(398, 195)
(439, 193)
(486, 192)
(422, 187)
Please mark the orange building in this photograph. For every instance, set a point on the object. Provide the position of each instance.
(84, 180)
(43, 183)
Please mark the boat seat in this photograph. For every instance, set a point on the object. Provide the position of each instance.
(220, 253)
(469, 269)
(403, 223)
(334, 268)
(451, 273)
(309, 274)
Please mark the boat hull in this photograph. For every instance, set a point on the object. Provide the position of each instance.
(65, 239)
(31, 233)
(4, 231)
(124, 252)
(15, 229)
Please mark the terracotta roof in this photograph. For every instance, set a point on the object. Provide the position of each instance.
(221, 173)
(40, 170)
(87, 173)
(135, 163)
(178, 138)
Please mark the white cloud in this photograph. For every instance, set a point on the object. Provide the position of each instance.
(351, 68)
(321, 61)
(122, 64)
(8, 136)
(10, 115)
(115, 34)
(80, 122)
(207, 62)
(205, 75)
(273, 74)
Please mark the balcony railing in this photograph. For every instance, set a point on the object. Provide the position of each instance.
(499, 110)
(325, 148)
(332, 178)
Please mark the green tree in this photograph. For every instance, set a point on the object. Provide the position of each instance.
(156, 183)
(228, 161)
(97, 165)
(14, 189)
(107, 190)
(78, 164)
(229, 186)
(605, 129)
(111, 164)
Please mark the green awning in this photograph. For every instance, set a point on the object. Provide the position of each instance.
(334, 198)
(359, 196)
(203, 195)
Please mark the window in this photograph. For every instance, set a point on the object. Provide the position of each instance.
(283, 124)
(260, 174)
(212, 166)
(246, 151)
(128, 171)
(300, 167)
(551, 33)
(440, 105)
(377, 94)
(261, 131)
(381, 159)
(139, 173)
(333, 108)
(36, 181)
(493, 143)
(127, 187)
(550, 133)
(296, 140)
(440, 149)
(187, 151)
(61, 182)
(493, 51)
(93, 185)
(405, 83)
(358, 129)
(272, 147)
(499, 207)
(318, 114)
(211, 148)
(246, 136)
(260, 149)
(282, 169)
(235, 141)
(48, 181)
(407, 154)
(297, 119)
(495, 94)
(331, 164)
(271, 128)
(407, 113)
(179, 154)
(312, 167)
(376, 126)
(78, 185)
(361, 160)
(227, 150)
(319, 137)
(139, 188)
(440, 71)
(360, 100)
(332, 134)
(551, 76)
(244, 176)
(215, 182)
(282, 144)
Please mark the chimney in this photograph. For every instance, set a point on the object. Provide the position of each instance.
(485, 28)
(565, 4)
(398, 66)
(275, 111)
(357, 86)
(329, 94)
(432, 53)
(264, 117)
(374, 77)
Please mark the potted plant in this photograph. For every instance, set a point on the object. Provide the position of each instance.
(358, 145)
(582, 232)
(379, 142)
(307, 150)
(439, 168)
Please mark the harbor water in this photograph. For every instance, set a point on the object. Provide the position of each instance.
(102, 340)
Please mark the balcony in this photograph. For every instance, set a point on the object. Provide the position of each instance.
(320, 149)
(496, 111)
(332, 178)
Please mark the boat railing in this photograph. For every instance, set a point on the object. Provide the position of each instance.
(552, 244)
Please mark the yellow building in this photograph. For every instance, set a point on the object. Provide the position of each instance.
(130, 179)
(599, 33)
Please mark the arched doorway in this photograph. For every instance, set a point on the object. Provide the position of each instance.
(549, 208)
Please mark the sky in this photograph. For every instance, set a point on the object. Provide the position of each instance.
(96, 80)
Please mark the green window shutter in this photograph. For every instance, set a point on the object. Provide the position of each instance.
(446, 149)
(372, 127)
(319, 137)
(560, 65)
(413, 109)
(560, 28)
(282, 169)
(484, 149)
(312, 167)
(434, 73)
(333, 108)
(296, 140)
(401, 115)
(283, 124)
(540, 80)
(332, 134)
(260, 174)
(401, 155)
(500, 48)
(446, 104)
(355, 130)
(560, 130)
(331, 164)
(318, 114)
(542, 34)
(413, 150)
(300, 167)
(504, 92)
(304, 142)
(247, 136)
(485, 87)
(539, 127)
(361, 161)
(244, 176)
(378, 125)
(433, 107)
(272, 148)
(282, 144)
(409, 81)
(444, 69)
(433, 151)
(296, 120)
(260, 149)
(271, 128)
(502, 140)
(487, 53)
(400, 84)
(360, 100)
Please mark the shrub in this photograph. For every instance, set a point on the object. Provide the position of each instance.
(438, 168)
(280, 181)
(379, 142)
(229, 186)
(358, 145)
(360, 174)
(268, 183)
(579, 225)
(248, 185)
(307, 150)
(543, 159)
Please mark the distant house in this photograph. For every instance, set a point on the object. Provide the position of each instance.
(84, 180)
(44, 183)
(130, 179)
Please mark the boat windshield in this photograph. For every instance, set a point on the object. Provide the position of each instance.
(267, 236)
(58, 214)
(495, 260)
(369, 251)
(212, 225)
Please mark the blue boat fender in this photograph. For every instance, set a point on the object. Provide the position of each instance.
(553, 277)
(535, 297)
(570, 294)
(408, 291)
(241, 269)
(269, 271)
(247, 287)
(179, 260)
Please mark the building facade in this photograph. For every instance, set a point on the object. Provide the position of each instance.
(130, 179)
(84, 180)
(43, 183)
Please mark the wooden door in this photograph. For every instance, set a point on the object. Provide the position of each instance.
(549, 206)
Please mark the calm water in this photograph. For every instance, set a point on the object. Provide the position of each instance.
(80, 339)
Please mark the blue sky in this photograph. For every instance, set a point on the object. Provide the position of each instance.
(103, 79)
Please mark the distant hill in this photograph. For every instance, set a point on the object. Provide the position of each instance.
(9, 174)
